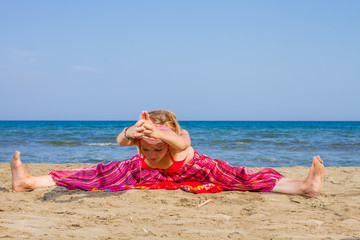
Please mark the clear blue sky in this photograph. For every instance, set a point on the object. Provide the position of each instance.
(205, 60)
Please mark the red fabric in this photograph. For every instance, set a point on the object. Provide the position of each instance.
(173, 168)
(194, 187)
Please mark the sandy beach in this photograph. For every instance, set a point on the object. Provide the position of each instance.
(57, 213)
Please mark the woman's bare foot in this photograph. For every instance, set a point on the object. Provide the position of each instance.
(309, 187)
(314, 181)
(21, 181)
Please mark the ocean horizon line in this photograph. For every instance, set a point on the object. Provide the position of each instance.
(182, 120)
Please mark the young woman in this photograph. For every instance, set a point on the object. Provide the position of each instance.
(166, 159)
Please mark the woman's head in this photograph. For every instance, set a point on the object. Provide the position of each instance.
(154, 152)
(165, 117)
(155, 149)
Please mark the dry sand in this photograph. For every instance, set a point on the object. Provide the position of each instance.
(57, 213)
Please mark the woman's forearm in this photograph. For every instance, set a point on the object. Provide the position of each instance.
(179, 142)
(127, 137)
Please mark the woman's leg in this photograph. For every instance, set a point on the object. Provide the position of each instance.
(22, 181)
(309, 187)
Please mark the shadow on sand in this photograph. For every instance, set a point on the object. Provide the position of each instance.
(63, 195)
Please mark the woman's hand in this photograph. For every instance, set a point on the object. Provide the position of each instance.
(145, 128)
(130, 135)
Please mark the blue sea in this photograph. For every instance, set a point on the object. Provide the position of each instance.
(241, 143)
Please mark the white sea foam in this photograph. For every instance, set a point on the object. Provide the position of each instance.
(102, 144)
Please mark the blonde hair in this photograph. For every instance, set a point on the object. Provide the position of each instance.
(165, 117)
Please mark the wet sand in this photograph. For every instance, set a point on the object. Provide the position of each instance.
(58, 213)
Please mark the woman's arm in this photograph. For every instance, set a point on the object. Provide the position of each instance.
(123, 140)
(179, 142)
(145, 128)
(148, 129)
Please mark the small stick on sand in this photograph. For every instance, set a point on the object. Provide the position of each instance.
(204, 203)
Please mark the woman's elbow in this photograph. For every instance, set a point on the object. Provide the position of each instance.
(185, 145)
